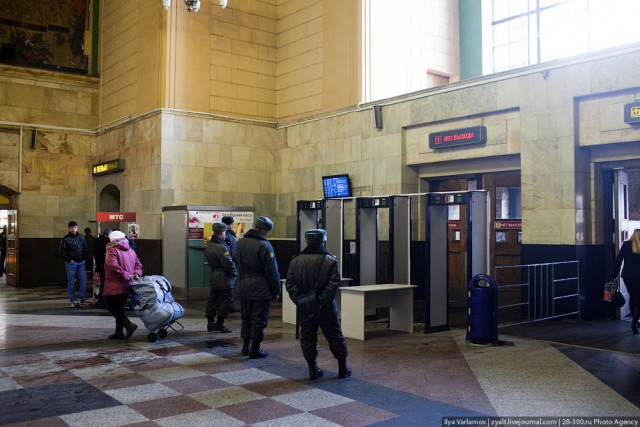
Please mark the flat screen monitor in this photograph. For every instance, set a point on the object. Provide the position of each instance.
(336, 186)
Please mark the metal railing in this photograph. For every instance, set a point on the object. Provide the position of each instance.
(534, 292)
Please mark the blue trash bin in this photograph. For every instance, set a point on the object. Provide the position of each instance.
(482, 310)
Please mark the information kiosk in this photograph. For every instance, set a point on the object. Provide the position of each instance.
(477, 259)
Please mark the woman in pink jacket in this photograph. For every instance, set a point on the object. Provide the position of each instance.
(121, 265)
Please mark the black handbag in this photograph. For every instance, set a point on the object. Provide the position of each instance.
(308, 308)
(618, 300)
(613, 295)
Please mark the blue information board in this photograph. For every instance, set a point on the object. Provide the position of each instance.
(336, 186)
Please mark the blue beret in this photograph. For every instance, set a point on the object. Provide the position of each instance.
(264, 223)
(219, 226)
(316, 235)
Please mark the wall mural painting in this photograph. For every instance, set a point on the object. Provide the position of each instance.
(44, 34)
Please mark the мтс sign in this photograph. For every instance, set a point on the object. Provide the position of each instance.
(116, 216)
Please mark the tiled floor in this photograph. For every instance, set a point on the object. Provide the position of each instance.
(58, 368)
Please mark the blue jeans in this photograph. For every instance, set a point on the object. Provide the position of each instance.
(76, 270)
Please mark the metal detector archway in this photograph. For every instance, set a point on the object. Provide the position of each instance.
(477, 218)
(367, 239)
(327, 214)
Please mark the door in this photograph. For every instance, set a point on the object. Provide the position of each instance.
(505, 240)
(621, 210)
(12, 249)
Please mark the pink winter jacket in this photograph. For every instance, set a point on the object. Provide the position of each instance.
(121, 262)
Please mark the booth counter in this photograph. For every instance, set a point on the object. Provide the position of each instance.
(185, 229)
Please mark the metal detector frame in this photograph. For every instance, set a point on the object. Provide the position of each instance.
(477, 220)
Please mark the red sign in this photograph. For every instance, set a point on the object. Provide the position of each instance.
(454, 225)
(196, 233)
(116, 216)
(452, 138)
(507, 225)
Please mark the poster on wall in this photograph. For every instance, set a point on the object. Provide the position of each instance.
(133, 231)
(46, 34)
(200, 222)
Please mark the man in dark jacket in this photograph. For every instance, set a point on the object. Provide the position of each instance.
(316, 270)
(221, 280)
(230, 236)
(73, 250)
(259, 283)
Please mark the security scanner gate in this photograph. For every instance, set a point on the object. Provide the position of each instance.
(326, 214)
(477, 243)
(400, 240)
(367, 239)
(310, 214)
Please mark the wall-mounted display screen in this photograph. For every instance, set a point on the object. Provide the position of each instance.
(336, 186)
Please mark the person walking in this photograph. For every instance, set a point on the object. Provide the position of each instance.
(221, 280)
(259, 282)
(315, 270)
(100, 252)
(73, 250)
(121, 265)
(630, 255)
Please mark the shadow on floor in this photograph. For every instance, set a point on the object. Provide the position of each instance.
(608, 335)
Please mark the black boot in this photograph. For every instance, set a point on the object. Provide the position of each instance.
(634, 320)
(117, 335)
(219, 326)
(256, 352)
(343, 370)
(129, 327)
(245, 348)
(314, 371)
(211, 324)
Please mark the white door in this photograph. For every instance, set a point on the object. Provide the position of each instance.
(621, 200)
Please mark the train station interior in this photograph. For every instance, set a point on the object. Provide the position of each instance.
(437, 141)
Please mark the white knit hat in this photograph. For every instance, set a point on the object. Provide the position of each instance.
(116, 235)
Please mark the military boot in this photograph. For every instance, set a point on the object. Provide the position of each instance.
(343, 370)
(256, 352)
(314, 371)
(211, 323)
(219, 326)
(245, 348)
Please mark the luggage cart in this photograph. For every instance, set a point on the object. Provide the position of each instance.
(156, 306)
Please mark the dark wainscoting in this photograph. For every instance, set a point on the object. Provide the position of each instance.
(40, 265)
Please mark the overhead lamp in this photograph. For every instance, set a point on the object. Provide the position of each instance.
(192, 5)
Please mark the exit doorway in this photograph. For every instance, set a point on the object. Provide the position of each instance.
(505, 232)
